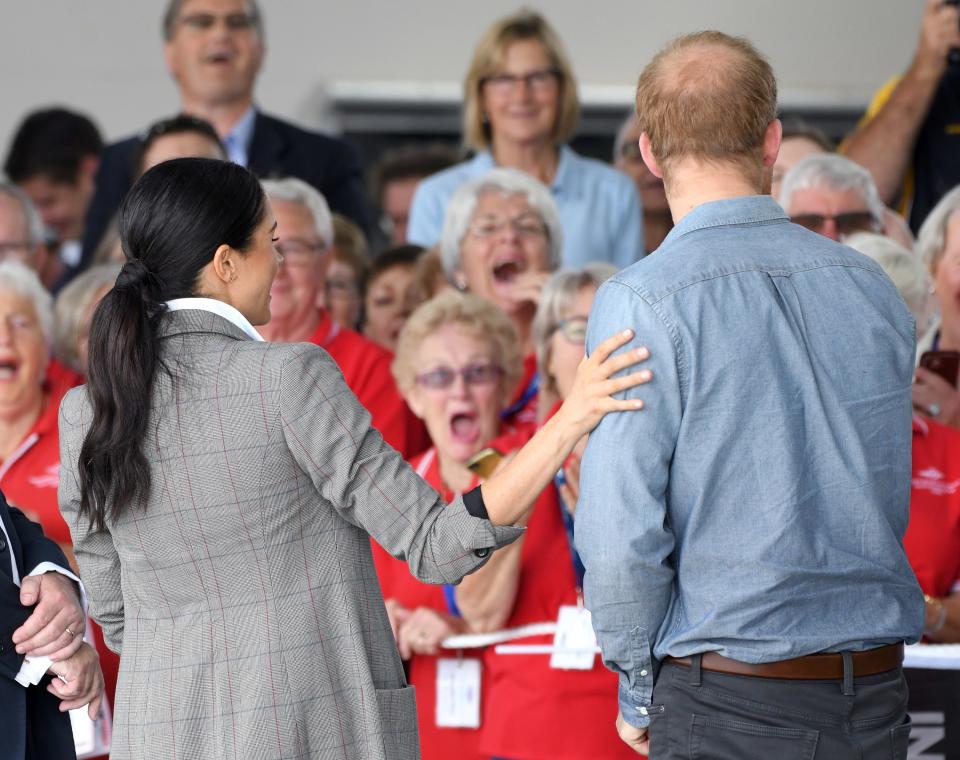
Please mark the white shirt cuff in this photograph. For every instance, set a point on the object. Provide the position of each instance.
(33, 668)
(50, 567)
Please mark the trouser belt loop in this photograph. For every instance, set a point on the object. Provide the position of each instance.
(695, 669)
(848, 674)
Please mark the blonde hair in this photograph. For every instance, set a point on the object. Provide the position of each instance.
(487, 59)
(708, 96)
(475, 316)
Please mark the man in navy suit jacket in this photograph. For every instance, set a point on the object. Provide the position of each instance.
(214, 50)
(40, 614)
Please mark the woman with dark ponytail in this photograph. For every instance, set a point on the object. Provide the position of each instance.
(221, 492)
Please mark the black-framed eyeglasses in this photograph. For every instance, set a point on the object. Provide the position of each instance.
(237, 22)
(573, 329)
(536, 81)
(846, 224)
(442, 378)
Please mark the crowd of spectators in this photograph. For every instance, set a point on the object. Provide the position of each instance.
(459, 318)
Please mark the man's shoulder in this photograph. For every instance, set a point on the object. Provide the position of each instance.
(712, 254)
(300, 136)
(120, 151)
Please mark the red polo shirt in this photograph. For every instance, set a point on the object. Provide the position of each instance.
(932, 540)
(366, 370)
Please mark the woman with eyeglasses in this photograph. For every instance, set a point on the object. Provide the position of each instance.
(534, 709)
(520, 108)
(501, 240)
(221, 492)
(456, 365)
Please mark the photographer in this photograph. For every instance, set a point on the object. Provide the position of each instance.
(906, 139)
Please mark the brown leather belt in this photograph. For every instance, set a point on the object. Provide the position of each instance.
(813, 667)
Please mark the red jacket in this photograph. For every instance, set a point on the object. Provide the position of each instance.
(366, 370)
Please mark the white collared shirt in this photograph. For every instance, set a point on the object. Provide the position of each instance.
(220, 308)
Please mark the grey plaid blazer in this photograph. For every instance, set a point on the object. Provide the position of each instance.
(242, 594)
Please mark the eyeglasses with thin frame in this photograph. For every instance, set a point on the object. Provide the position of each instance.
(339, 287)
(846, 224)
(442, 378)
(540, 81)
(526, 226)
(235, 22)
(299, 253)
(573, 329)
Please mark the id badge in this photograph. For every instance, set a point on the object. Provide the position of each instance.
(458, 692)
(575, 643)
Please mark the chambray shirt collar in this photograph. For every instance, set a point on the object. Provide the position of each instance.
(751, 209)
(566, 169)
(237, 140)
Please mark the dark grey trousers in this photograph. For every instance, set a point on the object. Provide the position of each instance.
(726, 717)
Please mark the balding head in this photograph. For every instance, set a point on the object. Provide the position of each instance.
(710, 97)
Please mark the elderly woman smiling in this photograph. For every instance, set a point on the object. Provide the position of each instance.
(456, 363)
(501, 239)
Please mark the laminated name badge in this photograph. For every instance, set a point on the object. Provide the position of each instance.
(574, 643)
(458, 692)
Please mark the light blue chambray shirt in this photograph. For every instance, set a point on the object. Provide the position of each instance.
(756, 507)
(237, 142)
(599, 208)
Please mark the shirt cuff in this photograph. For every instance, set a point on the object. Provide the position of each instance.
(473, 501)
(50, 567)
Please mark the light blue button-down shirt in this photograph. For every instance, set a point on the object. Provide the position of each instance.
(237, 142)
(756, 507)
(599, 208)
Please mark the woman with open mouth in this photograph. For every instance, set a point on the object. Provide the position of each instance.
(501, 240)
(456, 365)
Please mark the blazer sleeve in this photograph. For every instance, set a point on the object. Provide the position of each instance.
(368, 483)
(95, 551)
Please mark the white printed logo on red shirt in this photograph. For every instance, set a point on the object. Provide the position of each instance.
(931, 479)
(50, 478)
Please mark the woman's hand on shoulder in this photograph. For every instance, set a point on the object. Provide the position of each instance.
(594, 386)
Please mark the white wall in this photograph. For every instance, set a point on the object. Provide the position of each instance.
(103, 56)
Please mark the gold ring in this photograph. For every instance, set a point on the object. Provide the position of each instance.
(72, 634)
